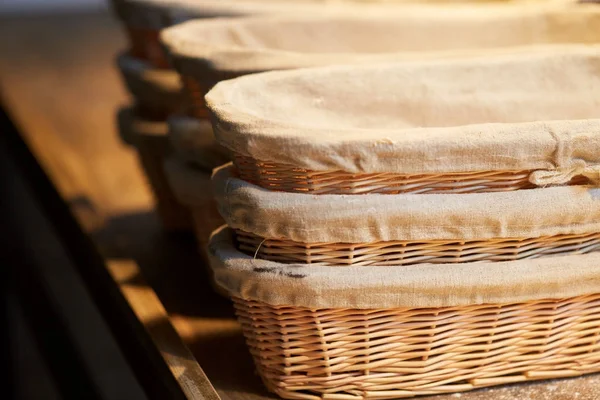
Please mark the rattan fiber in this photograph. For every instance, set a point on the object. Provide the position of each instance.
(415, 252)
(287, 178)
(351, 354)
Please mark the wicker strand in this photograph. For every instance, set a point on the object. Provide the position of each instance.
(328, 354)
(415, 252)
(286, 178)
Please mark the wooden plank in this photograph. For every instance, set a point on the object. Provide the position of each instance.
(152, 314)
(58, 79)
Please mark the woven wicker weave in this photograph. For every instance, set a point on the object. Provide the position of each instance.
(352, 354)
(415, 252)
(287, 178)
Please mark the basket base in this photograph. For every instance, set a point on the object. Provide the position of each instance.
(398, 353)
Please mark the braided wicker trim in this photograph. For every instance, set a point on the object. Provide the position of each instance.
(350, 354)
(415, 252)
(287, 178)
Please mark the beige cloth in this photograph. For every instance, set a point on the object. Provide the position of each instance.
(383, 217)
(193, 141)
(131, 128)
(506, 112)
(150, 86)
(236, 46)
(192, 188)
(158, 14)
(423, 285)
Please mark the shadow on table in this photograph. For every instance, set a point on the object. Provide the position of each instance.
(170, 263)
(228, 364)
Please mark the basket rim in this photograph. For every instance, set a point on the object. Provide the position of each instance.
(187, 43)
(346, 218)
(248, 129)
(421, 286)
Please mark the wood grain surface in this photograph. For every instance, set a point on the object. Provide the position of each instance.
(59, 83)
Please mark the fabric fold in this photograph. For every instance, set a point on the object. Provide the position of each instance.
(423, 285)
(371, 218)
(193, 141)
(523, 112)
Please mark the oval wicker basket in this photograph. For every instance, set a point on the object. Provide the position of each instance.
(193, 142)
(192, 188)
(399, 229)
(207, 52)
(451, 151)
(315, 354)
(157, 92)
(150, 140)
(433, 127)
(144, 19)
(389, 352)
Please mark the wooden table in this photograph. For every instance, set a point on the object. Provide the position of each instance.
(60, 87)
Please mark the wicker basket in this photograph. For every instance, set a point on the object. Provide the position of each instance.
(330, 230)
(193, 142)
(307, 351)
(150, 140)
(252, 119)
(403, 352)
(144, 19)
(157, 92)
(192, 187)
(207, 52)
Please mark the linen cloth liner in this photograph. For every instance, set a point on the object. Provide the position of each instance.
(500, 113)
(385, 217)
(207, 49)
(131, 128)
(157, 14)
(149, 85)
(191, 186)
(193, 141)
(422, 285)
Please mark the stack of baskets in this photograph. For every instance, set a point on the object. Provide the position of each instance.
(157, 89)
(413, 228)
(205, 52)
(406, 228)
(420, 222)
